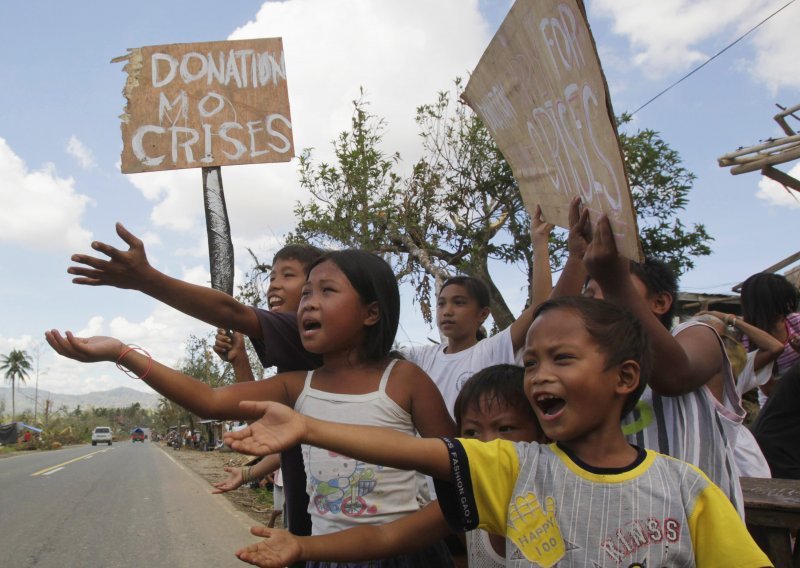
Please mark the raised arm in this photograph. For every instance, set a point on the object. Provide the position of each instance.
(130, 269)
(409, 534)
(681, 364)
(188, 392)
(281, 427)
(573, 276)
(769, 348)
(542, 283)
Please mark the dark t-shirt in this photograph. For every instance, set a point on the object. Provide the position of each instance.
(281, 347)
(777, 428)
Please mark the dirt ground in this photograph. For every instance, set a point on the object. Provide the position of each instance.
(209, 465)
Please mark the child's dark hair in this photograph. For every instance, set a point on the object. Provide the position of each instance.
(303, 253)
(477, 289)
(766, 297)
(616, 331)
(503, 384)
(373, 280)
(658, 276)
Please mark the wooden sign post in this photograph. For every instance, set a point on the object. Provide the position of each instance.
(206, 105)
(541, 92)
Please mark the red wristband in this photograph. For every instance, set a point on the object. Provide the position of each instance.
(129, 373)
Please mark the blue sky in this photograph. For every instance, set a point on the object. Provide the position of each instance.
(60, 139)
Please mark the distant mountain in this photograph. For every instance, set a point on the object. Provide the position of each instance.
(114, 398)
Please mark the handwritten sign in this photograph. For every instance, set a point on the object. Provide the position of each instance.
(209, 104)
(541, 92)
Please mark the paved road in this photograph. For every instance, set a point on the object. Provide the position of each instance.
(128, 505)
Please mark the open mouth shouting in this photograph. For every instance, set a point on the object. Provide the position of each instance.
(275, 302)
(309, 326)
(549, 405)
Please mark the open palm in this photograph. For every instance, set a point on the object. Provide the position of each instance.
(86, 350)
(280, 548)
(280, 428)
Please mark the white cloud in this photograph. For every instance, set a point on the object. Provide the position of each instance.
(7, 344)
(775, 194)
(671, 36)
(40, 210)
(81, 153)
(178, 195)
(163, 334)
(403, 53)
(777, 45)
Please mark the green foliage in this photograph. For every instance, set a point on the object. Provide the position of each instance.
(203, 364)
(65, 427)
(264, 498)
(459, 208)
(168, 414)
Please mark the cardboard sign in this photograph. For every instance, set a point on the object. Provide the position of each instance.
(541, 92)
(197, 105)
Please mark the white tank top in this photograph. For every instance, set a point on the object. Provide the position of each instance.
(344, 492)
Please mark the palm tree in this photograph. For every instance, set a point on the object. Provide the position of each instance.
(16, 364)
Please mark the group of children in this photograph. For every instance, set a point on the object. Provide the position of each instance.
(541, 462)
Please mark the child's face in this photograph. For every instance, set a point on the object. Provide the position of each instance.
(492, 419)
(458, 314)
(566, 381)
(331, 315)
(285, 285)
(654, 301)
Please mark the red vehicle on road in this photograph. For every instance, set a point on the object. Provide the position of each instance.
(137, 435)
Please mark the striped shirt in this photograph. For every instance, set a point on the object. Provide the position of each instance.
(688, 428)
(558, 512)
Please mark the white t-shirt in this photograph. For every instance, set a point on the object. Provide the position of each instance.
(747, 455)
(451, 371)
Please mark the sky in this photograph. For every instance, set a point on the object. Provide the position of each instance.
(60, 142)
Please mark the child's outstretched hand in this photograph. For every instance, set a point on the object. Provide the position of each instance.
(86, 350)
(281, 548)
(125, 269)
(602, 260)
(280, 428)
(233, 481)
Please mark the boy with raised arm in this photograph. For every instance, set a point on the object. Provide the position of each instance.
(677, 414)
(590, 498)
(273, 332)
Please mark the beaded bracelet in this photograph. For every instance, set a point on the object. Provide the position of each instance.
(246, 474)
(129, 373)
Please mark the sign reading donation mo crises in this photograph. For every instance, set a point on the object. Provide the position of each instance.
(540, 90)
(210, 104)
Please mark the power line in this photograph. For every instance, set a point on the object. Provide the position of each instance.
(713, 57)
